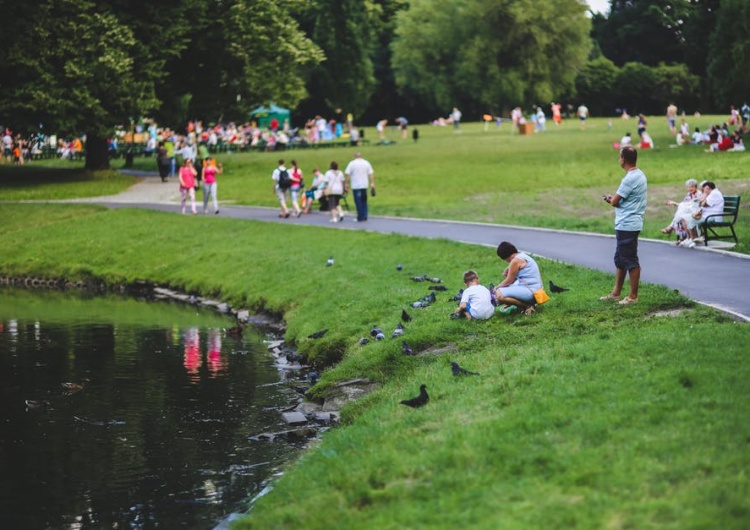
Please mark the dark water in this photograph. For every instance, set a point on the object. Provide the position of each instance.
(157, 433)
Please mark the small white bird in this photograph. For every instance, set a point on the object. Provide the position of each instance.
(329, 263)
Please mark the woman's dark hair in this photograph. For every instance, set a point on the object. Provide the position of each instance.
(506, 249)
(710, 184)
(334, 165)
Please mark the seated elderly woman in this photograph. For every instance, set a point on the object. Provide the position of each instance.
(521, 279)
(685, 209)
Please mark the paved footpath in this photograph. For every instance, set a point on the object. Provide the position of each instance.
(711, 276)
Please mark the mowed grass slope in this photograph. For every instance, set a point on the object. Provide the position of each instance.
(584, 415)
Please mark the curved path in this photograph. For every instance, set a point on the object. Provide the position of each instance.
(711, 276)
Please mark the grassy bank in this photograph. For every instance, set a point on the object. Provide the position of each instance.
(553, 179)
(584, 415)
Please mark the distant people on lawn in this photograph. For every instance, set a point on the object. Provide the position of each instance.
(295, 174)
(556, 113)
(456, 118)
(672, 118)
(187, 184)
(313, 192)
(279, 177)
(403, 125)
(380, 127)
(162, 161)
(360, 176)
(629, 202)
(334, 186)
(210, 170)
(583, 114)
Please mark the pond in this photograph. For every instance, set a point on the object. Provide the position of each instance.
(118, 413)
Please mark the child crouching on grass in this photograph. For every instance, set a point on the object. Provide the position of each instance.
(476, 301)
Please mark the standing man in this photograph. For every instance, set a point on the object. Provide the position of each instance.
(456, 118)
(583, 114)
(359, 173)
(672, 118)
(630, 204)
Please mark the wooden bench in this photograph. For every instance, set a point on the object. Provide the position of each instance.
(729, 217)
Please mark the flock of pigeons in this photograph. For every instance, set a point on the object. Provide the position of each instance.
(376, 333)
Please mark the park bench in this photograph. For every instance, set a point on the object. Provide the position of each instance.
(709, 228)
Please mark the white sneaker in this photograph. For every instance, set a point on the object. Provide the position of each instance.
(689, 243)
(333, 220)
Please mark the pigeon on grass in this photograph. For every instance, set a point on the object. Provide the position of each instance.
(419, 401)
(459, 371)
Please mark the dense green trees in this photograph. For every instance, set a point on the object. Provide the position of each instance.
(489, 55)
(74, 66)
(79, 66)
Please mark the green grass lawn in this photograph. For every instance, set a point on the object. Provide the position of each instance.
(584, 415)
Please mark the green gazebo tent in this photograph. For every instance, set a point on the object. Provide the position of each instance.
(264, 115)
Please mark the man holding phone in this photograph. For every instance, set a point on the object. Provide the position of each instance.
(630, 204)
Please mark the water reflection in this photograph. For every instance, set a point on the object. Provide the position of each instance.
(140, 414)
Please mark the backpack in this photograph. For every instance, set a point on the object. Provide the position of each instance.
(285, 181)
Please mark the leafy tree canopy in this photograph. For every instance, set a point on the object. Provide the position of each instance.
(492, 54)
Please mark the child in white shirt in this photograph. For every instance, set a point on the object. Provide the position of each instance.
(476, 301)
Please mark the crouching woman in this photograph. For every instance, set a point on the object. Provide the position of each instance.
(521, 279)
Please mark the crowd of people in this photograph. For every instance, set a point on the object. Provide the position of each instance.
(329, 188)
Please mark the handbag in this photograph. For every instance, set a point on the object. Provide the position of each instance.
(540, 295)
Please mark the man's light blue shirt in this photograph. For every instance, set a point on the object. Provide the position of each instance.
(631, 209)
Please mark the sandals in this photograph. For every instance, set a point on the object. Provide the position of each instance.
(609, 298)
(666, 230)
(530, 310)
(628, 301)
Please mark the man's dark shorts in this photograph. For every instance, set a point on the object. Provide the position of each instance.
(626, 255)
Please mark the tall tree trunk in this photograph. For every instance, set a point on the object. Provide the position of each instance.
(97, 153)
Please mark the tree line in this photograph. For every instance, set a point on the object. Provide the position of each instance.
(79, 66)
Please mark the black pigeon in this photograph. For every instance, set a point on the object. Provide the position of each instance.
(377, 333)
(312, 377)
(399, 267)
(293, 357)
(419, 401)
(398, 331)
(431, 297)
(419, 278)
(329, 263)
(556, 288)
(405, 316)
(406, 349)
(437, 288)
(363, 341)
(317, 334)
(457, 370)
(457, 297)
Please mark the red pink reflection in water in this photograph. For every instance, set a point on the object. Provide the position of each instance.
(194, 359)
